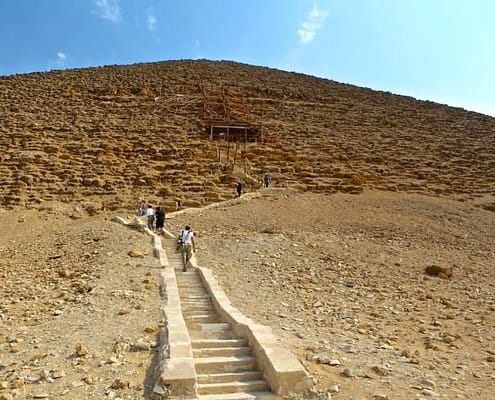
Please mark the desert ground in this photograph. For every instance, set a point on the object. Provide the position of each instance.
(339, 277)
(370, 190)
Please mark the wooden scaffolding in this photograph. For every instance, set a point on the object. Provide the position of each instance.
(227, 115)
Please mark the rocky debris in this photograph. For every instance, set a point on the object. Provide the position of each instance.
(81, 350)
(136, 253)
(342, 280)
(444, 272)
(120, 384)
(63, 283)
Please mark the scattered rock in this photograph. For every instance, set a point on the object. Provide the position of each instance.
(335, 388)
(18, 383)
(349, 373)
(135, 253)
(120, 384)
(382, 371)
(140, 346)
(152, 329)
(429, 392)
(81, 350)
(444, 272)
(57, 374)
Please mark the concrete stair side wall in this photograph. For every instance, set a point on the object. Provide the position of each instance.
(177, 375)
(281, 369)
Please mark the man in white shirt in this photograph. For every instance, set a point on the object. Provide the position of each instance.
(186, 237)
(150, 213)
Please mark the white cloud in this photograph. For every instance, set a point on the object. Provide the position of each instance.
(108, 9)
(151, 21)
(312, 24)
(61, 58)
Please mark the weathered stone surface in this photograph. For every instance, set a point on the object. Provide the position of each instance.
(88, 142)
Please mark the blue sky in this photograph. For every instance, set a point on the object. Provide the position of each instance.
(438, 50)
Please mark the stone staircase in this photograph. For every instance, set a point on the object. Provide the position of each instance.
(208, 349)
(225, 365)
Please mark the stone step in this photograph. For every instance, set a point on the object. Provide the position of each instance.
(190, 283)
(207, 343)
(191, 275)
(192, 302)
(213, 365)
(192, 313)
(214, 326)
(201, 318)
(197, 303)
(201, 301)
(194, 296)
(186, 285)
(211, 335)
(222, 352)
(238, 396)
(230, 377)
(195, 310)
(196, 326)
(186, 297)
(233, 387)
(187, 288)
(204, 317)
(198, 309)
(193, 284)
(194, 292)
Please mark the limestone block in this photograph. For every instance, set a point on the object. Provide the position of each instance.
(179, 377)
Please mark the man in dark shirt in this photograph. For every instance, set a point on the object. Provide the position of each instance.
(160, 220)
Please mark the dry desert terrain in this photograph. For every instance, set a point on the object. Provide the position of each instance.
(340, 278)
(369, 190)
